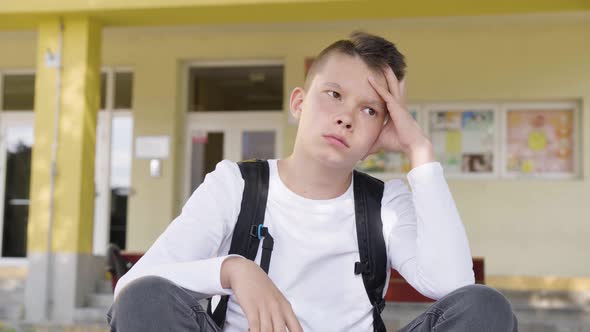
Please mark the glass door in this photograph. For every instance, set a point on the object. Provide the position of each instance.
(112, 178)
(206, 150)
(214, 136)
(16, 143)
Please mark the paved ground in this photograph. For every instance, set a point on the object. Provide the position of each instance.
(538, 311)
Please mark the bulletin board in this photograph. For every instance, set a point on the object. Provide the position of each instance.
(464, 138)
(540, 140)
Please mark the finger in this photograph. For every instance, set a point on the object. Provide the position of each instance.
(253, 319)
(278, 323)
(403, 92)
(291, 320)
(265, 321)
(381, 90)
(392, 104)
(392, 82)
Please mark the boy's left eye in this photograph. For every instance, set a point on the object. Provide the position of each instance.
(334, 94)
(370, 111)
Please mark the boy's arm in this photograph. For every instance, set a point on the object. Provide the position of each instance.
(426, 239)
(187, 252)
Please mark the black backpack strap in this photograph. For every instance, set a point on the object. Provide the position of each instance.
(249, 230)
(368, 192)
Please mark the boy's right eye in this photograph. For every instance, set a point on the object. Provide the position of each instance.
(334, 94)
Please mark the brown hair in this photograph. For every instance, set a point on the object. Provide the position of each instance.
(375, 51)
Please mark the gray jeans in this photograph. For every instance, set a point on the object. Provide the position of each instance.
(156, 304)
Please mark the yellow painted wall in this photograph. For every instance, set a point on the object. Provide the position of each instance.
(520, 227)
(18, 50)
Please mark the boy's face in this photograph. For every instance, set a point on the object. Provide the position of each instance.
(340, 115)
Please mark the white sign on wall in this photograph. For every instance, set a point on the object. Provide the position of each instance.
(152, 147)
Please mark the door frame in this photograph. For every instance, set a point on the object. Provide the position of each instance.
(233, 123)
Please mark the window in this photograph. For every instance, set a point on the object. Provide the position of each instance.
(235, 88)
(18, 92)
(122, 88)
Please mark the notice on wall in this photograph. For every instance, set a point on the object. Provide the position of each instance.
(463, 139)
(152, 147)
(540, 141)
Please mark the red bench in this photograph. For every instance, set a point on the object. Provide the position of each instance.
(399, 289)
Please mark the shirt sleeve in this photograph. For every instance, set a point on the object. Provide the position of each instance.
(188, 251)
(426, 240)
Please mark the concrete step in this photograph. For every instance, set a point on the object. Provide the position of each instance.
(11, 284)
(12, 298)
(11, 313)
(100, 300)
(90, 315)
(546, 299)
(8, 297)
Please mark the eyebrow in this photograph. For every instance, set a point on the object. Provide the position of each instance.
(369, 101)
(334, 85)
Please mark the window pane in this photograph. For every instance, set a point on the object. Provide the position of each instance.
(258, 145)
(121, 143)
(18, 92)
(103, 91)
(245, 88)
(206, 152)
(123, 90)
(19, 144)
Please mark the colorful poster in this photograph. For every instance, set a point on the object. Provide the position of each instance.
(463, 140)
(383, 162)
(540, 141)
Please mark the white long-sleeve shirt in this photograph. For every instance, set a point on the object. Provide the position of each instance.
(315, 245)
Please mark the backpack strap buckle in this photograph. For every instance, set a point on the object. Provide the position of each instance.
(258, 231)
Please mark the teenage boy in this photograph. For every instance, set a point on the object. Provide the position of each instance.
(352, 105)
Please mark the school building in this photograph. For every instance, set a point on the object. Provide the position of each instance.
(112, 112)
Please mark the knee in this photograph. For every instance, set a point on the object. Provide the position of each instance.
(484, 301)
(143, 291)
(146, 298)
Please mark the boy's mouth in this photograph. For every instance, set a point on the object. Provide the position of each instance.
(336, 139)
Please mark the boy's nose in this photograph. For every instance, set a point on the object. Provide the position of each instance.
(345, 123)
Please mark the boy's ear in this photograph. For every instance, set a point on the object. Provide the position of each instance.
(296, 102)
